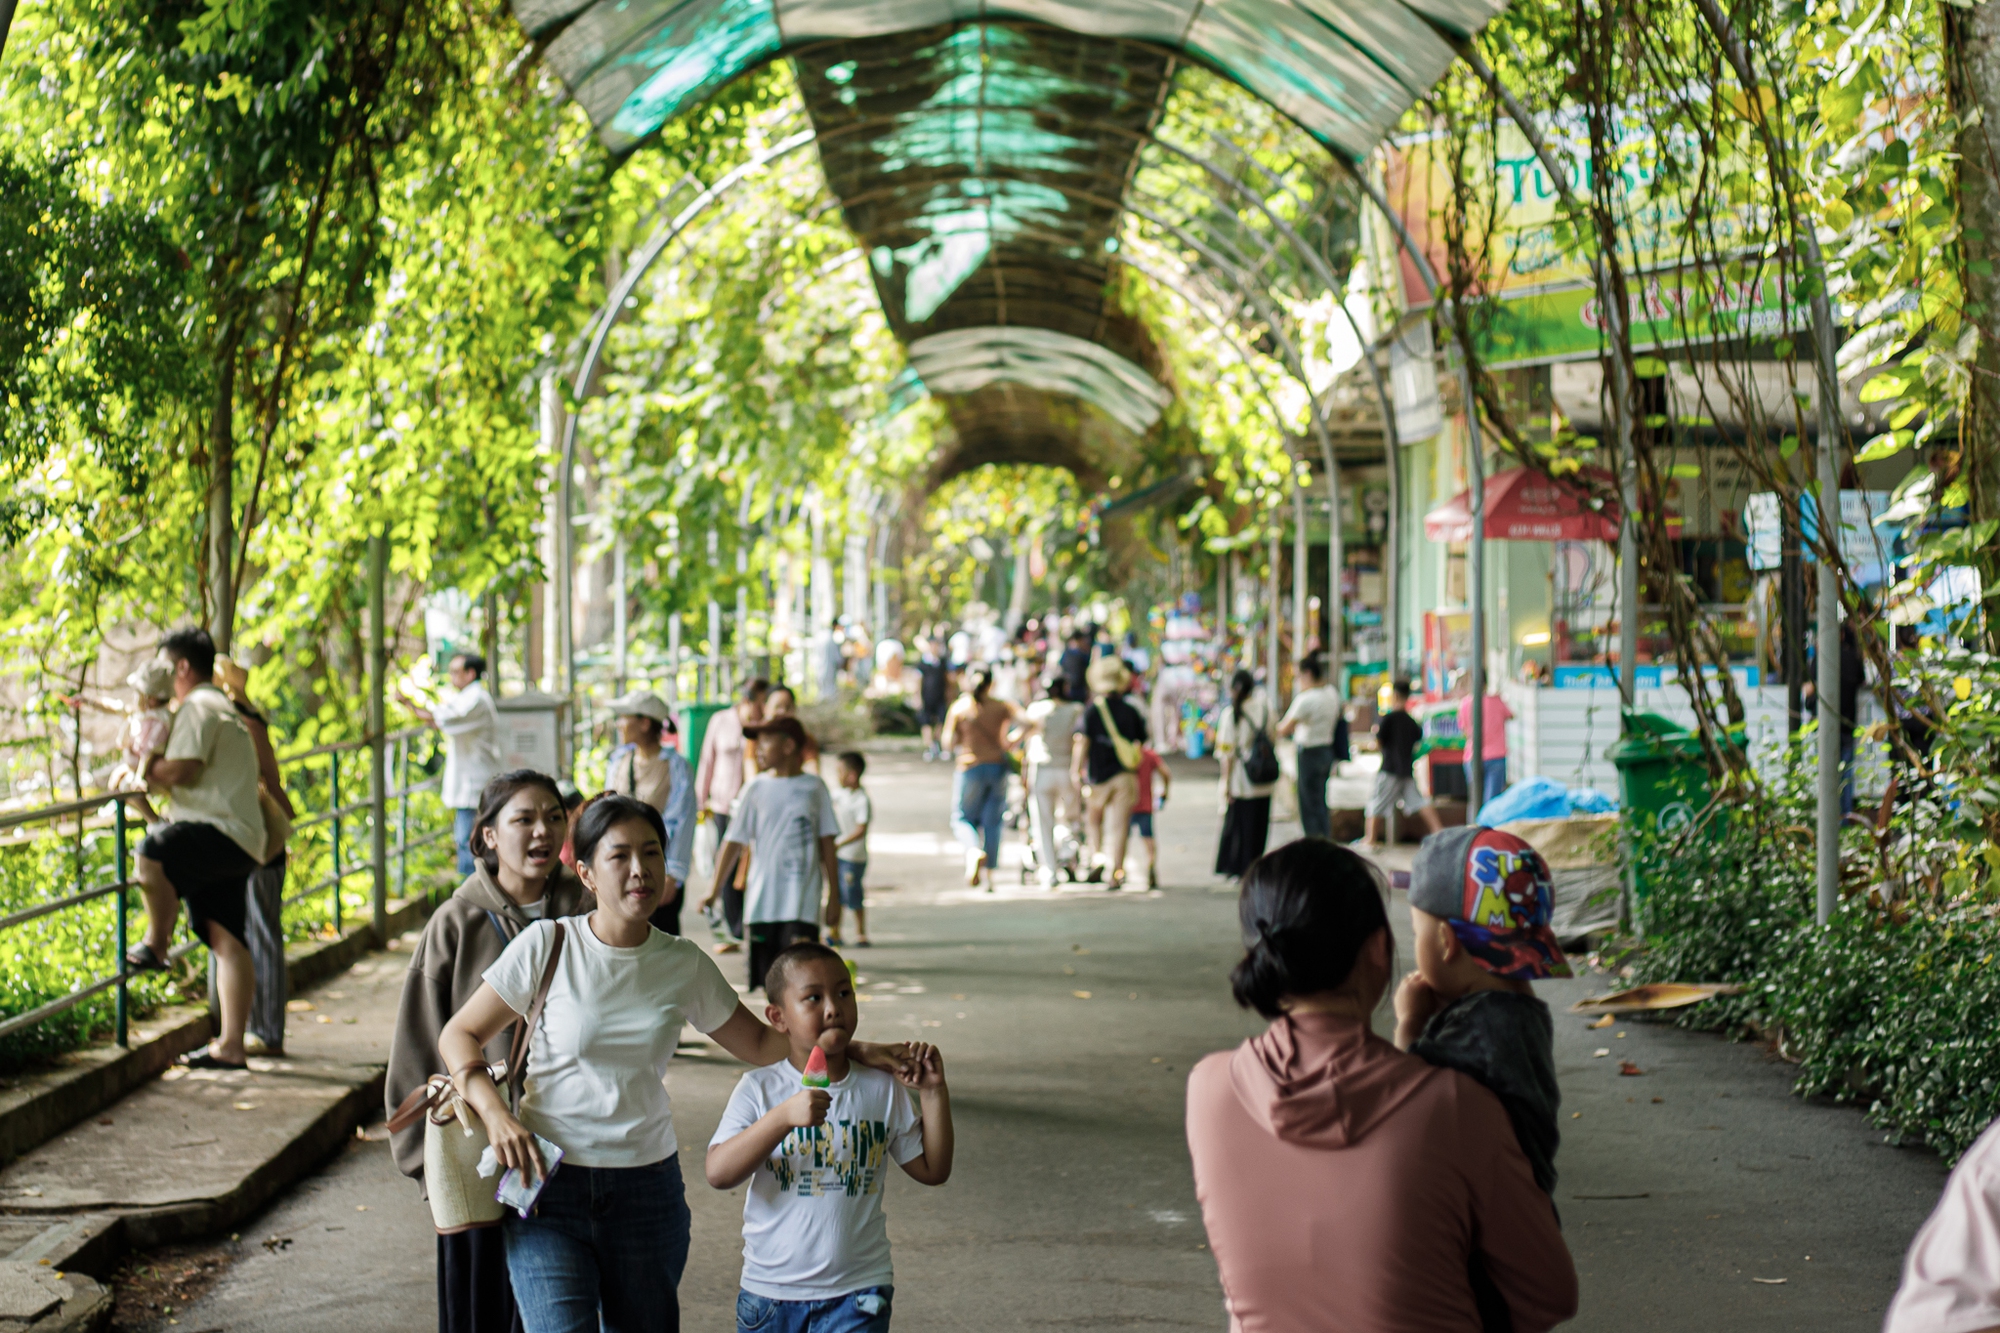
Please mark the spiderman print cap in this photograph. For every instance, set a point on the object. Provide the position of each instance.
(1495, 891)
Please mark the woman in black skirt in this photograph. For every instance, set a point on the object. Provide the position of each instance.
(1246, 805)
(517, 878)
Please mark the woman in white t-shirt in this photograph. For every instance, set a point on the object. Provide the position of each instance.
(610, 1232)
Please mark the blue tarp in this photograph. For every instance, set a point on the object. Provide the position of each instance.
(1543, 798)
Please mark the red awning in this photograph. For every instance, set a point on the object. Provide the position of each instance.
(1522, 505)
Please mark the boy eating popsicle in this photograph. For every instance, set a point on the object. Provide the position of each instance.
(813, 1135)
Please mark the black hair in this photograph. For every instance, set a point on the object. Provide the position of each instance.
(1241, 686)
(1401, 689)
(1307, 910)
(855, 760)
(1059, 689)
(801, 951)
(755, 691)
(607, 812)
(193, 646)
(982, 684)
(493, 800)
(781, 688)
(1314, 665)
(474, 663)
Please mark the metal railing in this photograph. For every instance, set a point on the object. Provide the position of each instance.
(338, 819)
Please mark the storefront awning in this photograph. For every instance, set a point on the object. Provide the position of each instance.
(1522, 505)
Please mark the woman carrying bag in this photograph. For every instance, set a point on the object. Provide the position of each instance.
(607, 1240)
(517, 878)
(1249, 775)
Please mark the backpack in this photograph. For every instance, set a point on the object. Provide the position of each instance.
(1260, 757)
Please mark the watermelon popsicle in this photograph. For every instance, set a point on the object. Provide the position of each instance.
(815, 1075)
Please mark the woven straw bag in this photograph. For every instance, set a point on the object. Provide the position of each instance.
(454, 1139)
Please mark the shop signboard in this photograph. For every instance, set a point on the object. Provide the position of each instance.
(1866, 549)
(1546, 306)
(1595, 676)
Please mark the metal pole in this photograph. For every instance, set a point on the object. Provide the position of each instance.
(403, 818)
(618, 662)
(714, 649)
(120, 869)
(333, 780)
(378, 745)
(562, 537)
(1299, 620)
(1272, 657)
(674, 659)
(1831, 725)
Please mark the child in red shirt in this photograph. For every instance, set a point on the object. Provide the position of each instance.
(1150, 768)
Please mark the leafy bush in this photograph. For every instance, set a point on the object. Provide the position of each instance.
(1890, 1002)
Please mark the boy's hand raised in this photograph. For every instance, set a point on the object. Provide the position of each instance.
(807, 1108)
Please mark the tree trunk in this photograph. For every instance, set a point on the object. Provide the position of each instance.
(222, 498)
(1972, 37)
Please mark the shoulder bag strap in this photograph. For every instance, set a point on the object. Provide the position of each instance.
(524, 1031)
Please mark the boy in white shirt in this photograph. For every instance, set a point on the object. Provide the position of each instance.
(813, 1136)
(853, 809)
(785, 821)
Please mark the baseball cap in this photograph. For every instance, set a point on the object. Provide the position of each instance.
(1494, 889)
(780, 726)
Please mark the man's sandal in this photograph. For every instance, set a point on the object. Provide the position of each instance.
(207, 1061)
(141, 958)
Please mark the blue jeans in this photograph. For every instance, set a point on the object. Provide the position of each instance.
(864, 1311)
(1315, 767)
(603, 1243)
(1496, 778)
(851, 892)
(981, 804)
(461, 837)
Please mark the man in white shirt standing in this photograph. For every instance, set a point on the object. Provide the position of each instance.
(471, 727)
(205, 856)
(1316, 715)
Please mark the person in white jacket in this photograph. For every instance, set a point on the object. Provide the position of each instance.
(471, 727)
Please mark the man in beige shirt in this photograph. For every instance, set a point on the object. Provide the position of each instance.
(205, 855)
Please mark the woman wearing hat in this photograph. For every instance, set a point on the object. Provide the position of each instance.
(646, 768)
(1104, 760)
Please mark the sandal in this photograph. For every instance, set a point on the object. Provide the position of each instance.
(207, 1061)
(141, 958)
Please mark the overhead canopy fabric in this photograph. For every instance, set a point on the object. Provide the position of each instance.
(1343, 69)
(996, 162)
(1525, 506)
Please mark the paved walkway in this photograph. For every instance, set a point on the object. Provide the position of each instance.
(1068, 1022)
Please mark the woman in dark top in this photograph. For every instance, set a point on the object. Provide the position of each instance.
(1106, 770)
(1246, 805)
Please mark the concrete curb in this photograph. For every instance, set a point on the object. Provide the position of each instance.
(44, 1104)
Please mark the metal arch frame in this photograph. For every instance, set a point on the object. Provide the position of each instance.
(1240, 280)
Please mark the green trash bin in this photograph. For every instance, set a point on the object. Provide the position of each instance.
(694, 726)
(1662, 773)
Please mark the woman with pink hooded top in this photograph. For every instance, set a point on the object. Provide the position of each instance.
(1345, 1184)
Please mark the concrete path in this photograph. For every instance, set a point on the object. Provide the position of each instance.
(1068, 1022)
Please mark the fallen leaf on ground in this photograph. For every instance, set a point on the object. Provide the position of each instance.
(1081, 994)
(246, 1106)
(1603, 1022)
(299, 1006)
(1659, 995)
(1600, 1053)
(321, 1018)
(1770, 1281)
(1629, 1069)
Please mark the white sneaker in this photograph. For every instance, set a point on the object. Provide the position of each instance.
(974, 863)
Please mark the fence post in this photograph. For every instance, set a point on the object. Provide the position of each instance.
(333, 781)
(378, 757)
(124, 970)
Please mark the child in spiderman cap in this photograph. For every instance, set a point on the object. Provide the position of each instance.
(1479, 904)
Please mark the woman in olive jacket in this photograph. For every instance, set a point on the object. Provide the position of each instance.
(517, 878)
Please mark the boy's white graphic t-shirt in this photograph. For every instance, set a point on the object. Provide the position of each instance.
(782, 820)
(851, 807)
(813, 1226)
